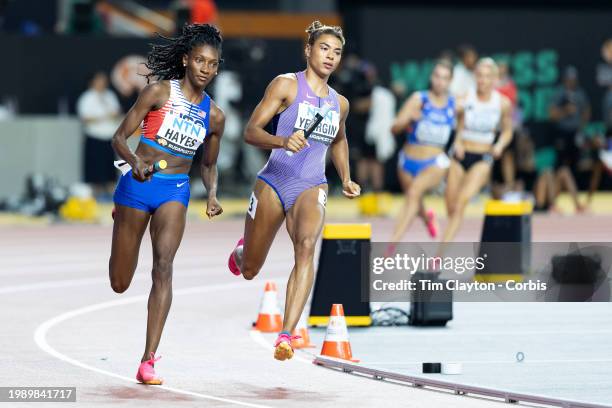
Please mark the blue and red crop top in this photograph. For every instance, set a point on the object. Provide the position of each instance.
(179, 127)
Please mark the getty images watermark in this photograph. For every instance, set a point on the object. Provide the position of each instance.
(413, 264)
(440, 264)
(487, 271)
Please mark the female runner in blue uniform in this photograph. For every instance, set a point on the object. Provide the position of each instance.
(177, 116)
(429, 117)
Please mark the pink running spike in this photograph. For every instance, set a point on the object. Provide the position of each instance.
(390, 251)
(231, 262)
(432, 225)
(146, 372)
(285, 337)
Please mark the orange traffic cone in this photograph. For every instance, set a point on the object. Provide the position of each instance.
(336, 342)
(269, 319)
(301, 330)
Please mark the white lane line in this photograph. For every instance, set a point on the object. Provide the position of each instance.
(40, 336)
(526, 361)
(516, 332)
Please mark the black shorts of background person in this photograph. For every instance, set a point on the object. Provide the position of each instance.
(360, 147)
(596, 166)
(98, 161)
(470, 159)
(568, 153)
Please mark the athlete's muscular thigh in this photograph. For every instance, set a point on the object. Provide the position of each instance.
(305, 218)
(128, 229)
(453, 186)
(167, 228)
(475, 179)
(265, 215)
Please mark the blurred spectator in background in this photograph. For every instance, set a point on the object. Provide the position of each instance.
(398, 88)
(98, 108)
(195, 11)
(535, 172)
(601, 144)
(447, 55)
(380, 120)
(570, 111)
(505, 84)
(604, 79)
(378, 133)
(352, 82)
(237, 160)
(203, 11)
(4, 113)
(8, 108)
(79, 17)
(463, 73)
(530, 178)
(128, 77)
(504, 169)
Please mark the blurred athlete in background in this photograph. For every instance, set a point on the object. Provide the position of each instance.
(479, 116)
(427, 120)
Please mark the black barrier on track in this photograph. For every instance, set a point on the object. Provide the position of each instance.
(505, 222)
(339, 274)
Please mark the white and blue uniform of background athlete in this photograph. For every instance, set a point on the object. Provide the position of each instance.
(433, 129)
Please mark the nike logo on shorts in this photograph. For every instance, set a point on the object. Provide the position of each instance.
(181, 184)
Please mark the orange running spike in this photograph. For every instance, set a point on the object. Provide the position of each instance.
(269, 319)
(336, 342)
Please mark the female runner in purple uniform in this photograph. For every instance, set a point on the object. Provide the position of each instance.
(293, 186)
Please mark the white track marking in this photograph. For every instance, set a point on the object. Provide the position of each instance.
(464, 332)
(526, 361)
(40, 336)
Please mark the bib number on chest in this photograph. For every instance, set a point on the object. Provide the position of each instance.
(181, 133)
(483, 120)
(431, 133)
(327, 129)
